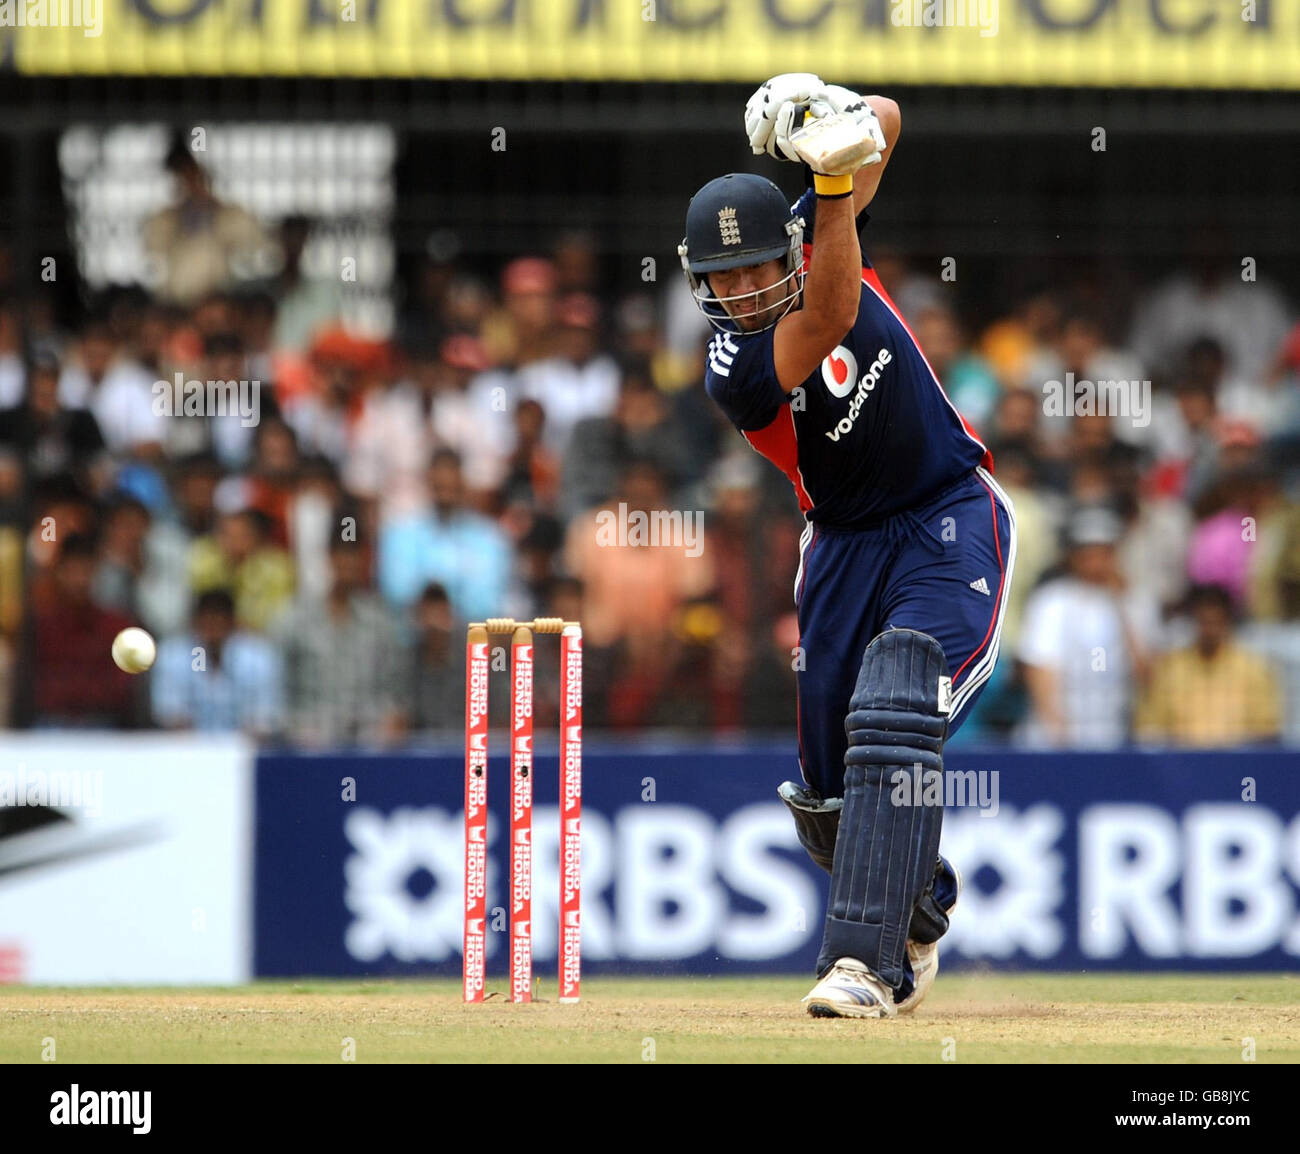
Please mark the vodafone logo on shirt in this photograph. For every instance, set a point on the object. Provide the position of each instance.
(840, 371)
(866, 386)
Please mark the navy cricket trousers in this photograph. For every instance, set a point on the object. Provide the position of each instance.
(943, 568)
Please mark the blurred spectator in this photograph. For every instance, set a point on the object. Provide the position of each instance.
(11, 576)
(125, 528)
(257, 313)
(437, 666)
(1283, 424)
(1275, 569)
(701, 435)
(639, 335)
(315, 516)
(577, 383)
(1082, 643)
(343, 660)
(1223, 544)
(685, 327)
(520, 332)
(537, 551)
(163, 590)
(49, 438)
(753, 558)
(202, 243)
(434, 405)
(428, 304)
(1016, 345)
(912, 292)
(155, 339)
(466, 307)
(1038, 518)
(12, 531)
(273, 476)
(1212, 694)
(577, 263)
(1212, 298)
(238, 487)
(968, 381)
(1279, 645)
(76, 682)
(428, 307)
(307, 305)
(1189, 464)
(1186, 413)
(240, 556)
(1094, 458)
(1081, 353)
(1153, 553)
(6, 682)
(390, 447)
(1015, 423)
(217, 677)
(326, 414)
(230, 430)
(12, 370)
(217, 312)
(471, 414)
(641, 338)
(640, 427)
(561, 596)
(634, 592)
(119, 392)
(533, 472)
(59, 510)
(450, 544)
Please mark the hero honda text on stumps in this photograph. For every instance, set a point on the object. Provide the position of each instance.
(478, 674)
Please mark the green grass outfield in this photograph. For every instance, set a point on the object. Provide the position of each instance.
(967, 1018)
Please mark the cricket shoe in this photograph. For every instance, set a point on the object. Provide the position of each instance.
(850, 990)
(925, 956)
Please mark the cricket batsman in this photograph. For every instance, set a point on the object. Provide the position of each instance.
(905, 562)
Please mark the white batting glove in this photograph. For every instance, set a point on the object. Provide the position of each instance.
(834, 98)
(775, 101)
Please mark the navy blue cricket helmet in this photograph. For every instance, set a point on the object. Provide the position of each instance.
(736, 220)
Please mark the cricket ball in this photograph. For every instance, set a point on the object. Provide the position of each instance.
(134, 650)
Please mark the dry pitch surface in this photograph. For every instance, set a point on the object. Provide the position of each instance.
(968, 1018)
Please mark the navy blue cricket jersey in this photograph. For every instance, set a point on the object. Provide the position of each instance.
(869, 433)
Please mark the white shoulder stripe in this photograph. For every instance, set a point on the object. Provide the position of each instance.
(983, 668)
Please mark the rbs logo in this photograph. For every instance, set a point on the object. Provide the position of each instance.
(1216, 882)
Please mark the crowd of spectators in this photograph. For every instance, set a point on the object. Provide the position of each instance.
(309, 573)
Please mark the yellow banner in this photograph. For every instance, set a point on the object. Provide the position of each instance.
(1171, 43)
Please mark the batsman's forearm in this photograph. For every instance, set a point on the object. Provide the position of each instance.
(833, 288)
(887, 112)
